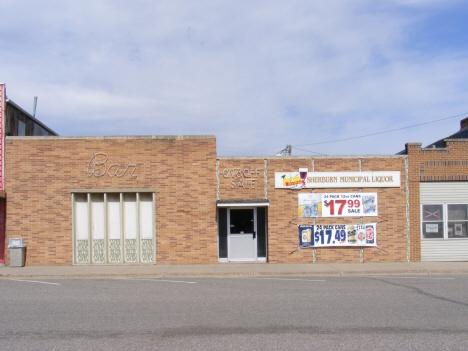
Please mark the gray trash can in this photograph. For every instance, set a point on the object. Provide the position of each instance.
(17, 249)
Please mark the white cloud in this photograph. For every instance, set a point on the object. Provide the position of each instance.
(258, 75)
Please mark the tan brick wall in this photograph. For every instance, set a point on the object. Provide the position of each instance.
(283, 217)
(40, 172)
(241, 179)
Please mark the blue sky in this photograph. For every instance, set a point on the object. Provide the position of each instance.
(257, 74)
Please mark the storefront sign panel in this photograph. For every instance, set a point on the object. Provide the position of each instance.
(338, 235)
(242, 177)
(304, 179)
(98, 167)
(337, 205)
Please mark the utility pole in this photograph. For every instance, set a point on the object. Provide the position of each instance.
(34, 107)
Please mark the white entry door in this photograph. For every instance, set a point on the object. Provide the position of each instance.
(242, 234)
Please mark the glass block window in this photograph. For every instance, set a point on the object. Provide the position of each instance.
(113, 228)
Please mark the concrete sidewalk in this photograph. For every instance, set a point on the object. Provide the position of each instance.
(231, 270)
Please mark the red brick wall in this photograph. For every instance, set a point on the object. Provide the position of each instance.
(2, 133)
(283, 209)
(2, 231)
(40, 172)
(432, 165)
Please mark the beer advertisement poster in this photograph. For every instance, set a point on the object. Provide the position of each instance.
(338, 235)
(337, 205)
(306, 233)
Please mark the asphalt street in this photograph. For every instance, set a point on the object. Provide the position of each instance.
(276, 313)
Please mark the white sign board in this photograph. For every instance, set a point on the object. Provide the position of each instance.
(304, 179)
(345, 235)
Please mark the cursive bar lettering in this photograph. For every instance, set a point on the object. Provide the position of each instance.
(97, 167)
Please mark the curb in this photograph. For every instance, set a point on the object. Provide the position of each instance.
(340, 273)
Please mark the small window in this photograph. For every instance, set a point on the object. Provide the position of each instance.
(37, 130)
(433, 221)
(457, 220)
(21, 128)
(242, 221)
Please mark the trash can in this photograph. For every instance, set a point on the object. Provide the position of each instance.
(17, 249)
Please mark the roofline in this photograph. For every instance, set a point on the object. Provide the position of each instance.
(31, 116)
(307, 157)
(162, 137)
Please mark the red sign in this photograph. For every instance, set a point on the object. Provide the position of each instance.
(2, 134)
(2, 167)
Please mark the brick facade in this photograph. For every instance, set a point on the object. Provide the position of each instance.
(283, 206)
(189, 178)
(41, 171)
(433, 164)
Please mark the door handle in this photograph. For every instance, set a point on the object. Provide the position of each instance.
(254, 235)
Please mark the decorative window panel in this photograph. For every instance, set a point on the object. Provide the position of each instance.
(81, 228)
(113, 228)
(114, 220)
(146, 227)
(98, 227)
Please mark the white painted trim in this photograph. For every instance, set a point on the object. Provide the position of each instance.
(244, 204)
(126, 190)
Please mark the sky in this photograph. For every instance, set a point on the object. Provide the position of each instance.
(259, 75)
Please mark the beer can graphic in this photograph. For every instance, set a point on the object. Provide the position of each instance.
(352, 235)
(361, 237)
(369, 204)
(370, 234)
(305, 238)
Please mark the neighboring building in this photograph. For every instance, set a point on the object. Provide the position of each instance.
(438, 177)
(13, 121)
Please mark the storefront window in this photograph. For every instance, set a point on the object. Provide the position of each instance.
(242, 221)
(432, 221)
(444, 221)
(457, 220)
(114, 228)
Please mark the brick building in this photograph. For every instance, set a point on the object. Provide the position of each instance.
(105, 200)
(172, 200)
(438, 178)
(13, 121)
(249, 184)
